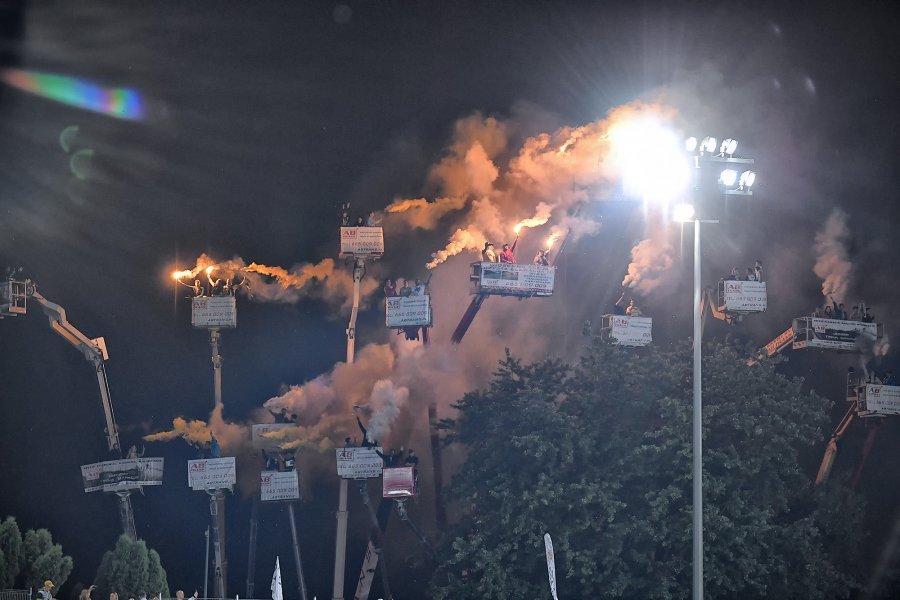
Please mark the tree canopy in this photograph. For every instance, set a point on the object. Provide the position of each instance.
(599, 456)
(10, 552)
(42, 559)
(129, 569)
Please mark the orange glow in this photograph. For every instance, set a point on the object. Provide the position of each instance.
(552, 240)
(178, 275)
(517, 228)
(209, 270)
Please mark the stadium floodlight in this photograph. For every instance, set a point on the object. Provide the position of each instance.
(690, 144)
(728, 177)
(683, 213)
(748, 178)
(728, 146)
(708, 144)
(651, 161)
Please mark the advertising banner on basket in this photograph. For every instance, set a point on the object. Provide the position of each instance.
(398, 482)
(212, 473)
(362, 240)
(745, 296)
(839, 335)
(883, 399)
(512, 277)
(408, 312)
(359, 463)
(279, 485)
(214, 311)
(632, 331)
(124, 474)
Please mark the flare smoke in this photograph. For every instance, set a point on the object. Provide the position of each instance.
(548, 175)
(321, 280)
(832, 263)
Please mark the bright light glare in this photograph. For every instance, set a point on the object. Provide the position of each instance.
(179, 275)
(708, 144)
(748, 178)
(209, 270)
(728, 146)
(683, 213)
(690, 144)
(651, 161)
(728, 177)
(517, 228)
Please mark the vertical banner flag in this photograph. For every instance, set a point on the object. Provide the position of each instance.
(276, 582)
(551, 564)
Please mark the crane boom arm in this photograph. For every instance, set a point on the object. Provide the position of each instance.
(832, 447)
(774, 347)
(94, 351)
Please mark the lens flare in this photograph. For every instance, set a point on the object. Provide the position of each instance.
(122, 103)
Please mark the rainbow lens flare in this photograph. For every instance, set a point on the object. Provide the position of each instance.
(122, 103)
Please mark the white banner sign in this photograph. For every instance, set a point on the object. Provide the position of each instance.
(359, 463)
(512, 278)
(214, 311)
(279, 485)
(261, 441)
(883, 399)
(837, 334)
(362, 241)
(212, 473)
(410, 311)
(631, 331)
(745, 296)
(125, 474)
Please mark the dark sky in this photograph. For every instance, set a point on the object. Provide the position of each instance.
(263, 117)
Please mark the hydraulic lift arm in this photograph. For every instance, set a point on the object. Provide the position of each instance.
(774, 347)
(94, 351)
(832, 447)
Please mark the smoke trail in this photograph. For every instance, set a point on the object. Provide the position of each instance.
(833, 265)
(419, 213)
(321, 280)
(196, 433)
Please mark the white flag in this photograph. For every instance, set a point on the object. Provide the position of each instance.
(551, 564)
(276, 582)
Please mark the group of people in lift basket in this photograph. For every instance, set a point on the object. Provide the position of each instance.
(508, 254)
(859, 312)
(754, 273)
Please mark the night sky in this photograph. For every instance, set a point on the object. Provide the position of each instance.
(261, 118)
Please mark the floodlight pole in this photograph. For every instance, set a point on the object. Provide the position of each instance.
(697, 578)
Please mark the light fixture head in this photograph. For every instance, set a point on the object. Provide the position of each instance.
(728, 177)
(728, 146)
(708, 144)
(748, 178)
(690, 144)
(682, 213)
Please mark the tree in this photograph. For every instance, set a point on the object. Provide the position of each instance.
(599, 455)
(42, 559)
(10, 552)
(129, 569)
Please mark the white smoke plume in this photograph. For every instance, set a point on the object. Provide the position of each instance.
(833, 265)
(651, 261)
(385, 404)
(322, 280)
